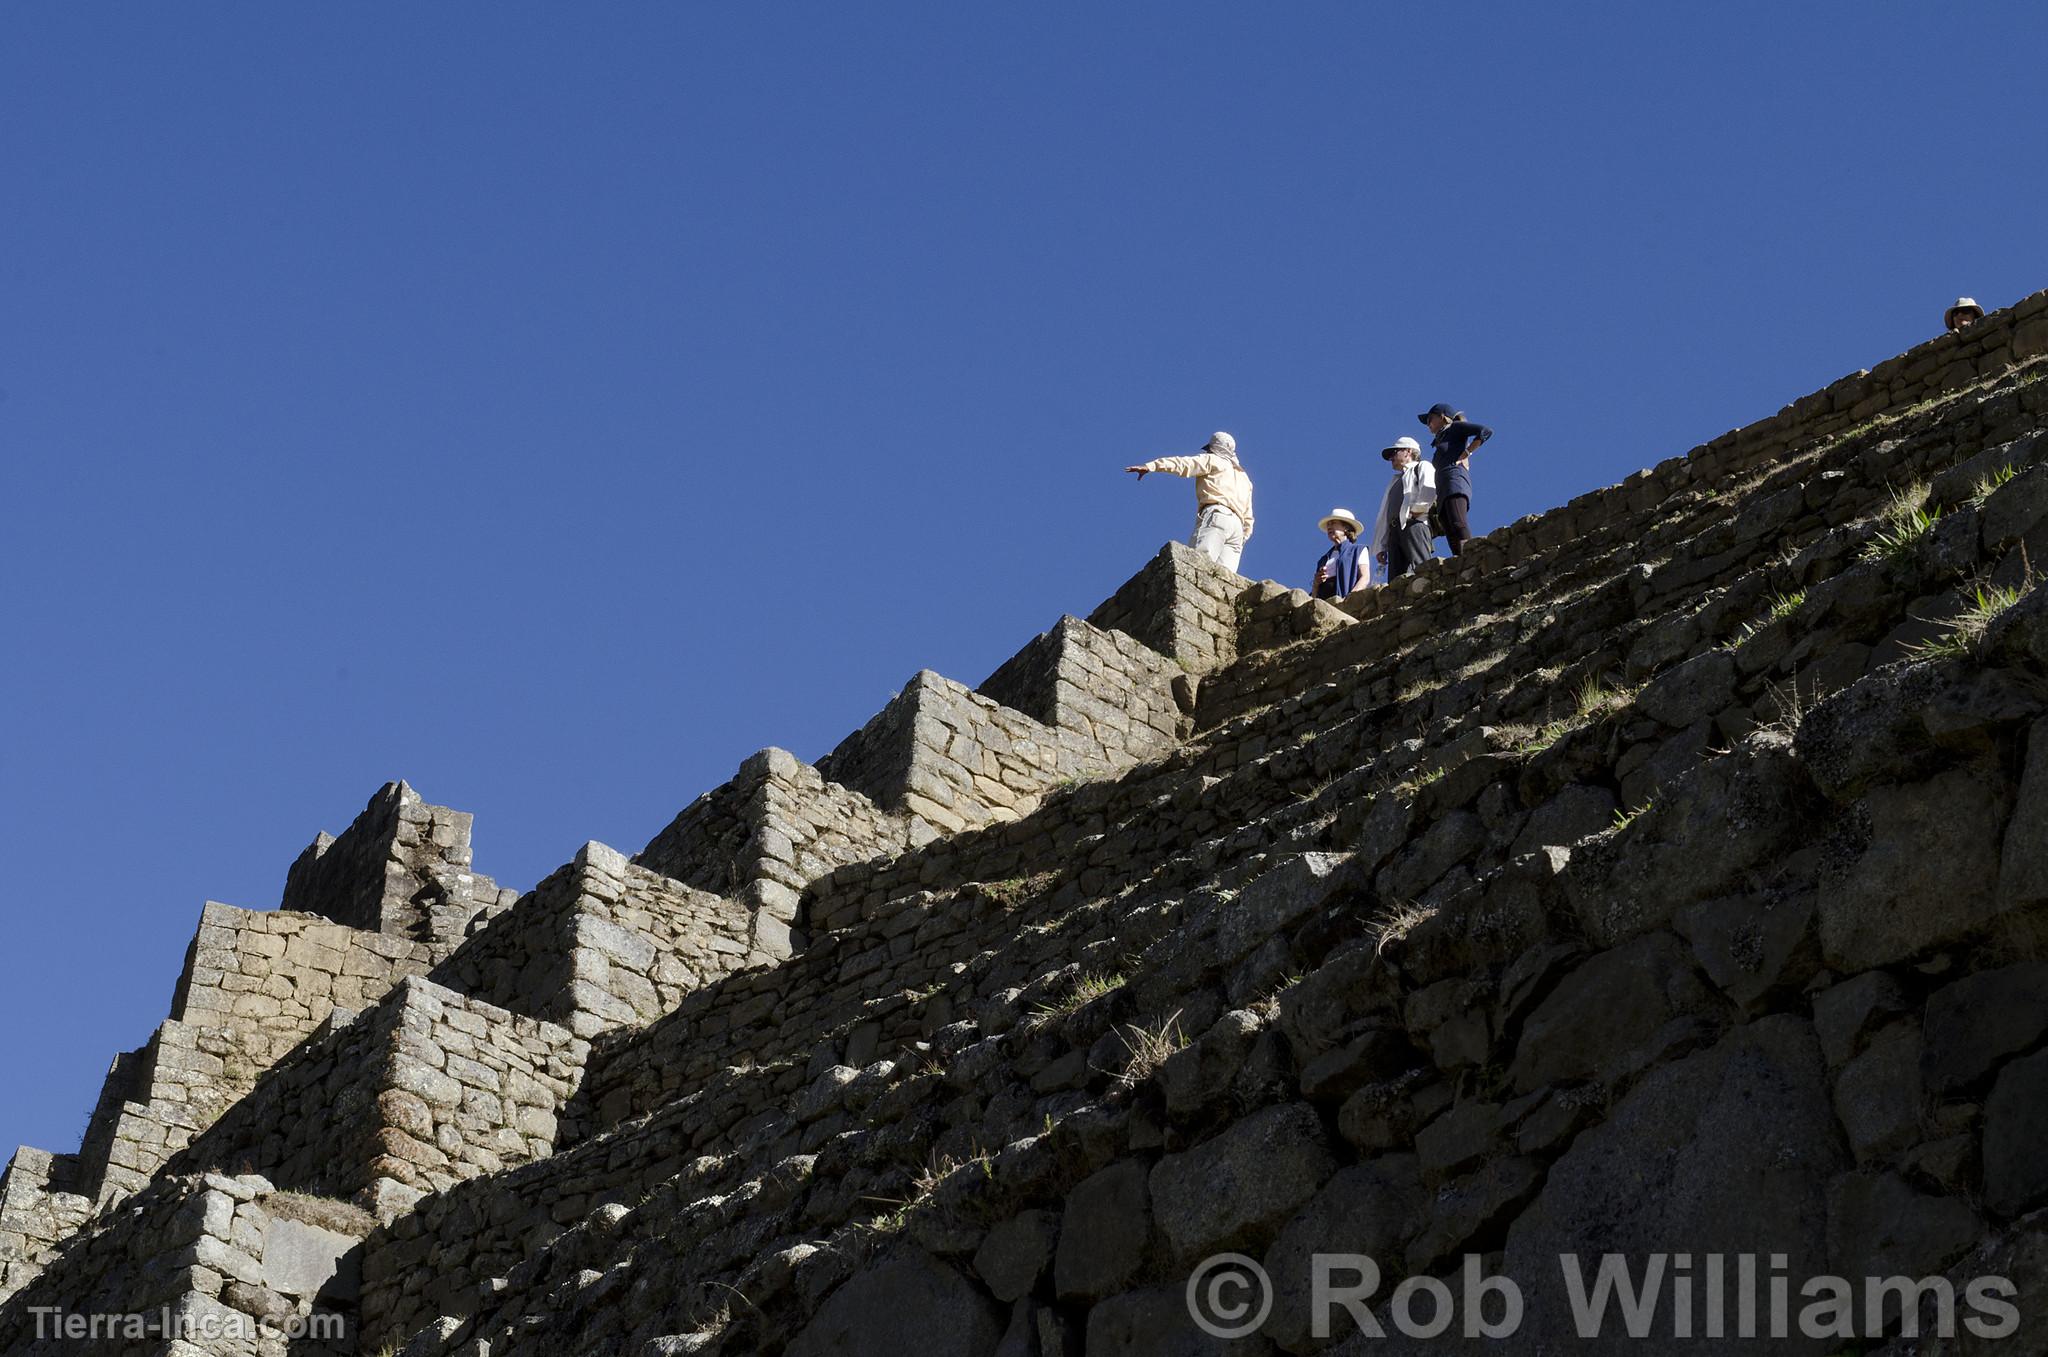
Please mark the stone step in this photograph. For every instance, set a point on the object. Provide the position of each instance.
(768, 832)
(603, 943)
(954, 759)
(425, 1088)
(1126, 701)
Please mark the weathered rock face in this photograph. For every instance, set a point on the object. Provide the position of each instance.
(908, 1302)
(1729, 1150)
(1639, 883)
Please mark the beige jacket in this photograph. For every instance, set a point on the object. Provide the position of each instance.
(1218, 480)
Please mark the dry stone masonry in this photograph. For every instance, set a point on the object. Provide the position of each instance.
(1669, 872)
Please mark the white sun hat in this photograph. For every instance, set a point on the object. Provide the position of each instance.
(1948, 317)
(1397, 445)
(1223, 442)
(1344, 516)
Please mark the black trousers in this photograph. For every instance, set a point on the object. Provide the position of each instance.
(1457, 530)
(1407, 548)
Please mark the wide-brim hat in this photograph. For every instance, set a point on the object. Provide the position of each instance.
(1948, 317)
(1398, 445)
(1344, 516)
(1438, 409)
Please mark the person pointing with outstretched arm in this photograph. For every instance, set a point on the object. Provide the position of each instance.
(1223, 497)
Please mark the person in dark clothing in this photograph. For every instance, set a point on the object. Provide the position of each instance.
(1340, 570)
(1453, 439)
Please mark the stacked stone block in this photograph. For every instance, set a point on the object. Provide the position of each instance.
(39, 1207)
(1270, 616)
(402, 868)
(1125, 700)
(255, 985)
(954, 759)
(602, 943)
(1182, 605)
(774, 828)
(270, 977)
(425, 1089)
(206, 1266)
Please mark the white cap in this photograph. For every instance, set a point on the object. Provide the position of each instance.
(1222, 441)
(1948, 317)
(1399, 445)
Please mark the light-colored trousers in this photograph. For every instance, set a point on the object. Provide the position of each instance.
(1219, 535)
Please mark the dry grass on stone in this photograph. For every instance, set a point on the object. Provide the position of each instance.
(325, 1213)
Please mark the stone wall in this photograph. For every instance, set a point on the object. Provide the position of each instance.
(433, 1260)
(765, 835)
(1695, 994)
(955, 759)
(425, 1089)
(255, 984)
(239, 1270)
(1270, 615)
(1182, 605)
(602, 943)
(1126, 701)
(402, 868)
(39, 1207)
(270, 977)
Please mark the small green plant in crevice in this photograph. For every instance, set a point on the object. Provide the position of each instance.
(1596, 697)
(940, 1167)
(1776, 609)
(1149, 1048)
(1535, 739)
(1014, 891)
(1966, 630)
(1985, 488)
(890, 1221)
(1624, 818)
(1086, 990)
(1902, 524)
(1417, 690)
(1782, 606)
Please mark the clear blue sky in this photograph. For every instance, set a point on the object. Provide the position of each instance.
(551, 405)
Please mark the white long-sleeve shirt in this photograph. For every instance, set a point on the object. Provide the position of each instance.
(1418, 491)
(1218, 480)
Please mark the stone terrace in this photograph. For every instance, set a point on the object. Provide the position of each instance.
(1227, 917)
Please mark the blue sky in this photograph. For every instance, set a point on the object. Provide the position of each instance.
(553, 405)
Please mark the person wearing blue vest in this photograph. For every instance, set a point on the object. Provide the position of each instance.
(1339, 571)
(1453, 439)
